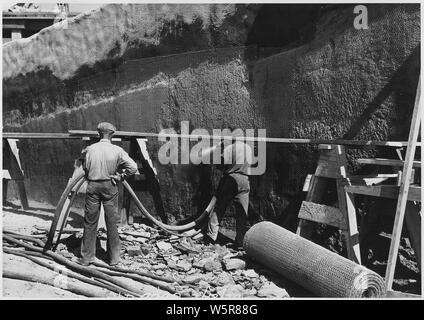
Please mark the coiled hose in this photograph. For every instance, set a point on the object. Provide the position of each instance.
(71, 191)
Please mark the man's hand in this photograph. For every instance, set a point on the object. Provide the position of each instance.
(116, 178)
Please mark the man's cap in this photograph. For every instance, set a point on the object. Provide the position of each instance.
(106, 127)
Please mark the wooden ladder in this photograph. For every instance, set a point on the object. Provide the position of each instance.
(331, 166)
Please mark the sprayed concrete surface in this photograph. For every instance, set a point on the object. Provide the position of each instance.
(215, 66)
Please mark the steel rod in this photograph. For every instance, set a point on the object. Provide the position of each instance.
(79, 134)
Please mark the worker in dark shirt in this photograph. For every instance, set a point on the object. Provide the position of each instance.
(103, 163)
(234, 186)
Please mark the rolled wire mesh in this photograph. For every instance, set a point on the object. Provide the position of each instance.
(313, 267)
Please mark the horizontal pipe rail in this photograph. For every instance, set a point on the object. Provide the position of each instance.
(79, 134)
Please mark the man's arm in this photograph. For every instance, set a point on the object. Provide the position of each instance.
(127, 164)
(206, 152)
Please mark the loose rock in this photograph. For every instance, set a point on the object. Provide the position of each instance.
(162, 245)
(230, 291)
(234, 264)
(133, 251)
(250, 273)
(223, 279)
(212, 265)
(272, 291)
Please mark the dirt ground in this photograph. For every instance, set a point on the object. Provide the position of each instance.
(35, 220)
(194, 263)
(187, 261)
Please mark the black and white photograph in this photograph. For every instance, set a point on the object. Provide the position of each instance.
(211, 155)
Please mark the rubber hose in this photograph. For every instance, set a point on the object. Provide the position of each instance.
(67, 211)
(77, 182)
(59, 208)
(185, 227)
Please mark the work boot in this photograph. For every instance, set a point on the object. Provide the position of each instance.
(115, 263)
(84, 262)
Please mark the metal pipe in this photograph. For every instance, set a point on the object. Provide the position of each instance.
(78, 134)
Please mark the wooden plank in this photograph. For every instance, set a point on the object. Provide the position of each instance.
(22, 194)
(326, 170)
(351, 234)
(325, 147)
(14, 26)
(388, 162)
(385, 191)
(315, 194)
(143, 149)
(413, 224)
(259, 139)
(307, 183)
(322, 214)
(347, 208)
(38, 135)
(16, 172)
(6, 174)
(404, 188)
(371, 180)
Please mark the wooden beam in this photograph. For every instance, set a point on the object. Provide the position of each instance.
(307, 183)
(388, 162)
(37, 135)
(258, 139)
(347, 208)
(317, 188)
(322, 214)
(372, 179)
(404, 188)
(385, 191)
(413, 224)
(14, 26)
(15, 170)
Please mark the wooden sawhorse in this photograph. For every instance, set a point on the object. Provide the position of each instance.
(331, 166)
(12, 170)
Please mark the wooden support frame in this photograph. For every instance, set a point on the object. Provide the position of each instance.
(404, 188)
(385, 191)
(146, 170)
(331, 165)
(388, 162)
(12, 170)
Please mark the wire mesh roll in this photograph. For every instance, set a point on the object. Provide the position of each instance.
(313, 267)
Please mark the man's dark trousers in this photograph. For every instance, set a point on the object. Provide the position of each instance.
(233, 187)
(101, 192)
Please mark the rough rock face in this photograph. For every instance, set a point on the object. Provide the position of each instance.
(298, 71)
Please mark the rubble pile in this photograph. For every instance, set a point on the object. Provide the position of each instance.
(199, 270)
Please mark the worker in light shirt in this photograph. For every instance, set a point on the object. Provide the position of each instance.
(104, 164)
(233, 187)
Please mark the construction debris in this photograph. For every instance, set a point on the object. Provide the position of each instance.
(234, 264)
(181, 266)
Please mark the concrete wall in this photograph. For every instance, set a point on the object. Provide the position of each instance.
(298, 71)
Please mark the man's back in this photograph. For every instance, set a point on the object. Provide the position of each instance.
(103, 159)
